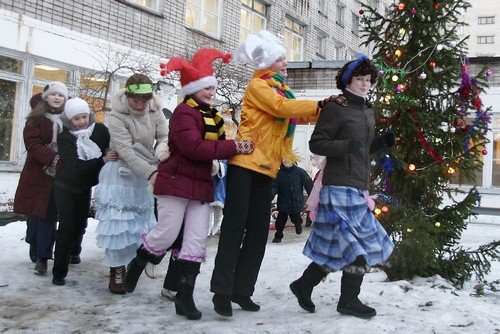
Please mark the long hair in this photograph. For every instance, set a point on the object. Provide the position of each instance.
(36, 115)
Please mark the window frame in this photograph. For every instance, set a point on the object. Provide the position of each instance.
(482, 20)
(253, 13)
(203, 14)
(486, 39)
(290, 52)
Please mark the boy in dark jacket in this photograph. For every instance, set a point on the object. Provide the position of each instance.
(82, 149)
(289, 185)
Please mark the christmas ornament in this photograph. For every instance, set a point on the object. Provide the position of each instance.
(422, 76)
(413, 12)
(489, 73)
(412, 167)
(485, 152)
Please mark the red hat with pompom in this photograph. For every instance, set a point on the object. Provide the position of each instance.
(198, 73)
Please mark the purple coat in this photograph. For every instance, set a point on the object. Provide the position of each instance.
(187, 172)
(34, 188)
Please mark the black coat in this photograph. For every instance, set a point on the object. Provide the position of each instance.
(289, 185)
(347, 118)
(76, 174)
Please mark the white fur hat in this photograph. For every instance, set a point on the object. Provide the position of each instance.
(55, 87)
(76, 106)
(260, 50)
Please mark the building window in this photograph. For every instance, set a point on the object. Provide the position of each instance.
(355, 24)
(321, 44)
(486, 20)
(323, 7)
(340, 14)
(338, 51)
(9, 90)
(153, 5)
(485, 39)
(460, 29)
(204, 15)
(294, 39)
(253, 18)
(496, 159)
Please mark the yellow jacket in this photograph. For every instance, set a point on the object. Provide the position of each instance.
(261, 105)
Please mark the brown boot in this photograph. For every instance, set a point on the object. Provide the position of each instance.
(116, 276)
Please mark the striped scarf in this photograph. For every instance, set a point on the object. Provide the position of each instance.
(214, 124)
(283, 128)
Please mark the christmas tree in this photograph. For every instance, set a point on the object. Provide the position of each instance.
(426, 95)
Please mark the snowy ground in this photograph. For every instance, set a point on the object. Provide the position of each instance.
(32, 304)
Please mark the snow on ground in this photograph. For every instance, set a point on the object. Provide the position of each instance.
(32, 304)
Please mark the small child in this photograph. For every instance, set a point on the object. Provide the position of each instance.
(82, 148)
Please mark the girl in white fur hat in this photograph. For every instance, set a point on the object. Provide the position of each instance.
(83, 149)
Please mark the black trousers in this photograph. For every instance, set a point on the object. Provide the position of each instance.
(41, 232)
(73, 209)
(244, 232)
(281, 222)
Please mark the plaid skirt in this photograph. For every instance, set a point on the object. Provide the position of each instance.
(345, 228)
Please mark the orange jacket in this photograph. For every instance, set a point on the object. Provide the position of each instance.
(261, 105)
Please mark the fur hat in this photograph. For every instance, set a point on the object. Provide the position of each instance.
(76, 106)
(55, 87)
(35, 99)
(199, 73)
(260, 50)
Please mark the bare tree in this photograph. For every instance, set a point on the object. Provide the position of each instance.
(95, 84)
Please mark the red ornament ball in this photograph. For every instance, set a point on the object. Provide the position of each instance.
(485, 151)
(361, 12)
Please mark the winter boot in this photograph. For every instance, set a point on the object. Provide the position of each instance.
(76, 249)
(184, 303)
(303, 287)
(136, 267)
(172, 278)
(116, 275)
(348, 302)
(245, 302)
(222, 305)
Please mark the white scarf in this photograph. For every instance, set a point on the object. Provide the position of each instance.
(85, 147)
(56, 125)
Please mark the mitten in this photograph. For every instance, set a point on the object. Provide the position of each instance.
(322, 103)
(244, 146)
(354, 146)
(51, 170)
(382, 142)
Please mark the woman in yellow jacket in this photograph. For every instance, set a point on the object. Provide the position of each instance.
(269, 116)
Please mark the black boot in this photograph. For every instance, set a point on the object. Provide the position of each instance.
(349, 303)
(222, 305)
(303, 287)
(136, 267)
(245, 302)
(184, 303)
(172, 278)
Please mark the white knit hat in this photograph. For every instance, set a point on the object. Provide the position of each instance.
(260, 51)
(55, 87)
(76, 106)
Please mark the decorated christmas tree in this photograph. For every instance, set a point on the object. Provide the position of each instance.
(427, 96)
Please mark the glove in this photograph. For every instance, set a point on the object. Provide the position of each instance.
(354, 146)
(389, 139)
(51, 170)
(244, 146)
(322, 103)
(385, 141)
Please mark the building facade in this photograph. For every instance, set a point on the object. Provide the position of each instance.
(71, 41)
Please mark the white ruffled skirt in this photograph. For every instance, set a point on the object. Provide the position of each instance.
(125, 210)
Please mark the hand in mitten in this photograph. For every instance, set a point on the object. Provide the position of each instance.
(244, 146)
(354, 146)
(389, 139)
(322, 103)
(51, 170)
(383, 142)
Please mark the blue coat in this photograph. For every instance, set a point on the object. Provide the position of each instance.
(289, 185)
